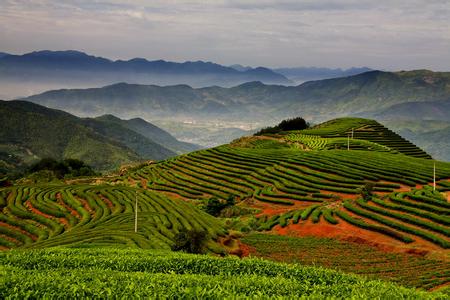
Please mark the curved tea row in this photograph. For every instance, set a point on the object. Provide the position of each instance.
(44, 216)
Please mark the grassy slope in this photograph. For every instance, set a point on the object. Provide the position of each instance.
(115, 129)
(30, 131)
(152, 132)
(121, 273)
(41, 132)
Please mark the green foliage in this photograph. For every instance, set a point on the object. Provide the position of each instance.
(215, 206)
(190, 241)
(30, 132)
(66, 168)
(92, 273)
(285, 125)
(366, 191)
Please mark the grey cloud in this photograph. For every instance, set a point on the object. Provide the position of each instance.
(380, 34)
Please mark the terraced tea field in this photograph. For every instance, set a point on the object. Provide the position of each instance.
(47, 216)
(325, 185)
(405, 269)
(300, 184)
(364, 133)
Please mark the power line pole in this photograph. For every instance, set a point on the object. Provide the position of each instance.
(348, 142)
(135, 212)
(434, 176)
(352, 133)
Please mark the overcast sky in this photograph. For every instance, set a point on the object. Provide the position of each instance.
(384, 34)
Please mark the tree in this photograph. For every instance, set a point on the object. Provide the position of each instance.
(290, 124)
(190, 241)
(214, 206)
(366, 191)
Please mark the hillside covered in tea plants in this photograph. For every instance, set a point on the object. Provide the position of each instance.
(350, 180)
(375, 181)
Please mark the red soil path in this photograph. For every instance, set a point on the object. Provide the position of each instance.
(107, 201)
(86, 206)
(32, 236)
(37, 211)
(437, 288)
(34, 210)
(73, 211)
(8, 238)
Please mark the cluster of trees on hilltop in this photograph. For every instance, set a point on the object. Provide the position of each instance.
(66, 168)
(290, 124)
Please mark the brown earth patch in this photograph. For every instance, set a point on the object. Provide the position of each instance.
(246, 250)
(441, 286)
(348, 232)
(271, 209)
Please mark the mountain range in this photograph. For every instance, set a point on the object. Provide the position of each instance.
(42, 70)
(385, 96)
(30, 132)
(373, 92)
(302, 74)
(35, 72)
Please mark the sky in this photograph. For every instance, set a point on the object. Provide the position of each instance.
(381, 34)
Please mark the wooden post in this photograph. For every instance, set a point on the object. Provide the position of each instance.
(135, 212)
(348, 142)
(352, 133)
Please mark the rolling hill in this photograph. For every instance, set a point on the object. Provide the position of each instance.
(370, 197)
(30, 132)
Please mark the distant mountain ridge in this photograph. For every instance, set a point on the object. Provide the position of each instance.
(56, 69)
(429, 110)
(316, 100)
(302, 74)
(30, 132)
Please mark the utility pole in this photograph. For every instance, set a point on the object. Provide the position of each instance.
(135, 212)
(434, 176)
(352, 133)
(348, 142)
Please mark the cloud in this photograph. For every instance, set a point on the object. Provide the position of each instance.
(380, 34)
